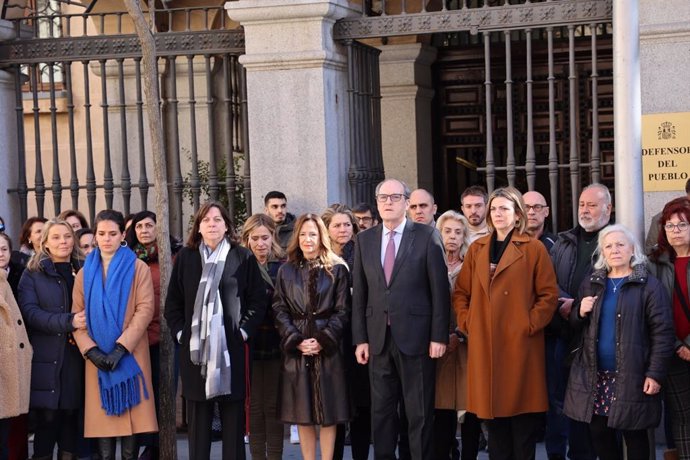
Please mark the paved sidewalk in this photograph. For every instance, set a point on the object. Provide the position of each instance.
(291, 451)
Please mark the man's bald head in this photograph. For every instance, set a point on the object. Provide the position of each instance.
(422, 207)
(537, 212)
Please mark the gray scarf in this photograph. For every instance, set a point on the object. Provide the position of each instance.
(208, 345)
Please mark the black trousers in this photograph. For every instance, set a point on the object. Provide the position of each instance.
(59, 427)
(4, 438)
(470, 432)
(607, 445)
(199, 418)
(514, 438)
(445, 426)
(392, 373)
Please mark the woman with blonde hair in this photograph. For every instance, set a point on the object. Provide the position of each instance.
(266, 431)
(342, 228)
(504, 297)
(311, 304)
(57, 378)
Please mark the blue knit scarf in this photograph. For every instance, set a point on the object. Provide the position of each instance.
(106, 304)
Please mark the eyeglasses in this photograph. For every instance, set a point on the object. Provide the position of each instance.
(395, 197)
(364, 219)
(536, 207)
(681, 226)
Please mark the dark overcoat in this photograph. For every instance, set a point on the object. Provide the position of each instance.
(312, 388)
(644, 344)
(504, 320)
(44, 300)
(243, 294)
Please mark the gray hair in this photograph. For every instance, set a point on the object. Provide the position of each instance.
(465, 225)
(406, 189)
(638, 257)
(602, 188)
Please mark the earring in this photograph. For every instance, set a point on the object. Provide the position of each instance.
(123, 243)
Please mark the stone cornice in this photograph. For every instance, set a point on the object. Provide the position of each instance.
(120, 46)
(276, 11)
(475, 20)
(665, 32)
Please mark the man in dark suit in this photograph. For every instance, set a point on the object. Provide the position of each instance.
(400, 310)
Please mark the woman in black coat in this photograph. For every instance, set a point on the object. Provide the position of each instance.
(670, 262)
(57, 370)
(312, 303)
(216, 301)
(627, 340)
(266, 431)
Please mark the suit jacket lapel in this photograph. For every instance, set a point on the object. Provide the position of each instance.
(405, 247)
(375, 252)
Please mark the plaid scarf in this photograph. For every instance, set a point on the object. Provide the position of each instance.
(208, 345)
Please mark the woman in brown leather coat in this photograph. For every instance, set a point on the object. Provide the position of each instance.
(311, 303)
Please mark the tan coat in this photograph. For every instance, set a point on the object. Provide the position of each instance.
(504, 321)
(142, 418)
(451, 368)
(15, 355)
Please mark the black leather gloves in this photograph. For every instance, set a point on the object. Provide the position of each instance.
(116, 355)
(106, 362)
(99, 359)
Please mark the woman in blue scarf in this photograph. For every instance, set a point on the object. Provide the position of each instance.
(115, 290)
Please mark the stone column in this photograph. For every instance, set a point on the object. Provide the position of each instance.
(406, 94)
(664, 43)
(9, 202)
(297, 100)
(627, 116)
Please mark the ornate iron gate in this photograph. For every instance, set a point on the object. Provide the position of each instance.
(68, 62)
(492, 138)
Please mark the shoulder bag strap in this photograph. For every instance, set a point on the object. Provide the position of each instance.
(681, 296)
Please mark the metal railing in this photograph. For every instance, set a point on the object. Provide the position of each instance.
(513, 153)
(203, 100)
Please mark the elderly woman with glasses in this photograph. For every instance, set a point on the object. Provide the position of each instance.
(670, 262)
(626, 327)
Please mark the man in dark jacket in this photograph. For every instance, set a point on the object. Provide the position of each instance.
(572, 260)
(275, 206)
(556, 434)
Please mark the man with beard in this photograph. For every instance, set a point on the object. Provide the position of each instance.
(365, 215)
(572, 259)
(473, 206)
(275, 203)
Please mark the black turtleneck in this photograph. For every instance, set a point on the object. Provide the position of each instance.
(586, 244)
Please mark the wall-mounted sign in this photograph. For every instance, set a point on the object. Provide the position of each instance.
(665, 151)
